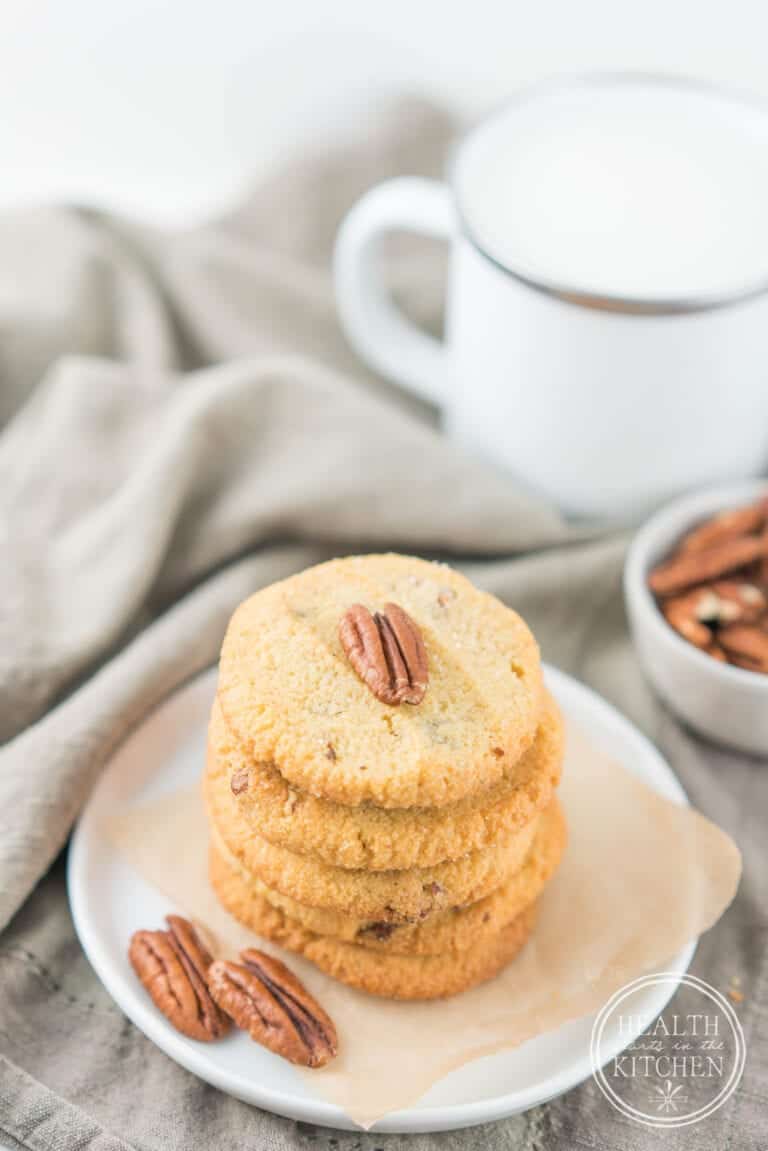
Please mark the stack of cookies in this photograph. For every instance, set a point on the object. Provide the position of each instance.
(381, 775)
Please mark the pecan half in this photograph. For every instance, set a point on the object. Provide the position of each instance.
(745, 645)
(695, 612)
(267, 1000)
(682, 613)
(173, 967)
(186, 939)
(686, 569)
(726, 526)
(739, 601)
(762, 567)
(387, 651)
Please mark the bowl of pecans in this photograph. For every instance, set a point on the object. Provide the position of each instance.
(696, 588)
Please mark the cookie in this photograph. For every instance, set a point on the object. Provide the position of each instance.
(292, 698)
(445, 931)
(387, 839)
(392, 896)
(391, 976)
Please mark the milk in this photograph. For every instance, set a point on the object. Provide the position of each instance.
(623, 190)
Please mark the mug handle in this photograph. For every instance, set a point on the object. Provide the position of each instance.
(376, 329)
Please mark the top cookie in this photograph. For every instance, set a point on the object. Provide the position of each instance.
(291, 696)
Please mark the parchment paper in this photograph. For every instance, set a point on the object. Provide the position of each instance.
(640, 877)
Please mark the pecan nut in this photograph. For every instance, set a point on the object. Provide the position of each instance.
(683, 614)
(745, 645)
(727, 525)
(387, 651)
(173, 966)
(694, 613)
(686, 569)
(762, 567)
(267, 1000)
(739, 601)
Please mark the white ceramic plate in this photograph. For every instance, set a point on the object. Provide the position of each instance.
(109, 901)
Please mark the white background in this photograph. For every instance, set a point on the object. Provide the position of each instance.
(168, 107)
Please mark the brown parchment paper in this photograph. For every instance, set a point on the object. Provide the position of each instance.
(640, 877)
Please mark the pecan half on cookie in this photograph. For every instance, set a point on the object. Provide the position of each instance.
(267, 1000)
(173, 966)
(387, 651)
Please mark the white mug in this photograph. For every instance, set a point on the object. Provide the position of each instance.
(607, 307)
